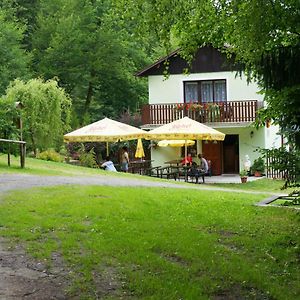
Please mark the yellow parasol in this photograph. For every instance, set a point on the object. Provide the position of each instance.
(139, 153)
(175, 143)
(185, 129)
(105, 130)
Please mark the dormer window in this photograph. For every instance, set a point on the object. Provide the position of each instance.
(205, 91)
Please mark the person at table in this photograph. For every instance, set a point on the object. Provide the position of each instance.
(203, 166)
(108, 165)
(124, 159)
(188, 160)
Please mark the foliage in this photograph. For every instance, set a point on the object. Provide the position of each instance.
(258, 165)
(132, 237)
(13, 59)
(9, 116)
(293, 198)
(133, 119)
(46, 112)
(83, 44)
(51, 155)
(243, 173)
(88, 159)
(287, 162)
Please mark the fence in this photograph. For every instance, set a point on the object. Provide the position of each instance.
(275, 165)
(22, 150)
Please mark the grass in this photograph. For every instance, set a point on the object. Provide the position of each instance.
(151, 243)
(264, 184)
(35, 166)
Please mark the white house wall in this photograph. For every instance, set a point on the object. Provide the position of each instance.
(248, 143)
(170, 90)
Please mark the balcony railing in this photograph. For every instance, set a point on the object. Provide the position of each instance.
(229, 112)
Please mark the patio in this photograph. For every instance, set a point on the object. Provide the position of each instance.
(229, 178)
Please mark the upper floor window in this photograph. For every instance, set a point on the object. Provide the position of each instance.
(205, 91)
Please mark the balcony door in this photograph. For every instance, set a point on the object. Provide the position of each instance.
(213, 151)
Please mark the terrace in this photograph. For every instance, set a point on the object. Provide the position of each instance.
(224, 112)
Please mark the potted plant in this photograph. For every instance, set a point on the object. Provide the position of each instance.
(244, 176)
(258, 167)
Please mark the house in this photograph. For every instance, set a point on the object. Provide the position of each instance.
(212, 93)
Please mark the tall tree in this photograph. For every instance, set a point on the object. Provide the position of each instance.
(13, 59)
(79, 43)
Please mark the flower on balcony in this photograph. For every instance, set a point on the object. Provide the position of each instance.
(180, 106)
(189, 106)
(196, 107)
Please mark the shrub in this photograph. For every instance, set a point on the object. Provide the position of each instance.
(88, 159)
(51, 155)
(258, 165)
(243, 173)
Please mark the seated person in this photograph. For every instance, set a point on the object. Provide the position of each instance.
(108, 165)
(197, 171)
(203, 166)
(188, 160)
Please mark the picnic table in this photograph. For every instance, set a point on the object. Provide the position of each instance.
(139, 166)
(174, 162)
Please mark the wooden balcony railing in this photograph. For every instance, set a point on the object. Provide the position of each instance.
(229, 112)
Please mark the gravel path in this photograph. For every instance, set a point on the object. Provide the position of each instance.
(22, 277)
(21, 181)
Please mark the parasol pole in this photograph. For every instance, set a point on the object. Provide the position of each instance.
(185, 151)
(185, 157)
(107, 149)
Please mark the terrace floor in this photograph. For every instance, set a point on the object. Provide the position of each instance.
(229, 178)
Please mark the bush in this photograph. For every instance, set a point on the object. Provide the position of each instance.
(88, 159)
(258, 165)
(51, 155)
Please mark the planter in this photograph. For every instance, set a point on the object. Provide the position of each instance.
(257, 173)
(244, 179)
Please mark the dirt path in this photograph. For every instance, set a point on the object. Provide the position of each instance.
(22, 277)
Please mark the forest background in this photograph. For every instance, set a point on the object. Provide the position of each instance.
(86, 47)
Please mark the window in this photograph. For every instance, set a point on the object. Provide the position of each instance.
(191, 92)
(205, 91)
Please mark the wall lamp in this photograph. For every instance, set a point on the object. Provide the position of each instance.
(251, 134)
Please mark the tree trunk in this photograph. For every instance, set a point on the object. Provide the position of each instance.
(33, 143)
(88, 98)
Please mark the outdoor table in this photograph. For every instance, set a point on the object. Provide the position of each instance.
(140, 165)
(173, 162)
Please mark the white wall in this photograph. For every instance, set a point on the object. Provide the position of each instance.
(160, 155)
(170, 90)
(273, 139)
(248, 143)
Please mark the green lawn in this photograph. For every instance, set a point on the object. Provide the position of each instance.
(151, 243)
(41, 167)
(264, 184)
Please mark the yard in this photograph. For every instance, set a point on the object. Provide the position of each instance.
(157, 243)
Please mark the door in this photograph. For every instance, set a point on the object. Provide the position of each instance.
(212, 150)
(231, 154)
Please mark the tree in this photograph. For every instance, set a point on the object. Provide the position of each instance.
(46, 111)
(8, 119)
(81, 44)
(13, 59)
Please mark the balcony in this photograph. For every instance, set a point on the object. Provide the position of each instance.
(225, 112)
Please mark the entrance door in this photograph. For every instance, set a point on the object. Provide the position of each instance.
(231, 154)
(212, 151)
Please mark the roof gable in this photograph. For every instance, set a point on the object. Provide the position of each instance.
(207, 59)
